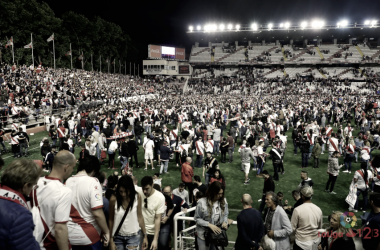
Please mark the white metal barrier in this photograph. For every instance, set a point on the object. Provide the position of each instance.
(185, 240)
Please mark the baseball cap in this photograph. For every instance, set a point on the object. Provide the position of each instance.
(151, 136)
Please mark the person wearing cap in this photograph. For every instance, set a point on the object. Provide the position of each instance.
(276, 224)
(306, 220)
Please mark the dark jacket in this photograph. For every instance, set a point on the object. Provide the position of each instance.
(16, 226)
(132, 147)
(138, 130)
(268, 185)
(305, 146)
(89, 125)
(165, 152)
(124, 149)
(345, 242)
(250, 228)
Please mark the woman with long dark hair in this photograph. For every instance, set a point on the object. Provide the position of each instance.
(218, 177)
(211, 214)
(126, 200)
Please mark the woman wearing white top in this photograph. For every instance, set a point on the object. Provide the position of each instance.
(361, 179)
(126, 199)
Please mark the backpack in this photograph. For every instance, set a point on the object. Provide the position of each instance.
(184, 152)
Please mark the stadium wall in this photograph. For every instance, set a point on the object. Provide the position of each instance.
(164, 67)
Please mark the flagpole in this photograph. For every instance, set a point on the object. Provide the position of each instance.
(13, 52)
(134, 69)
(130, 68)
(119, 67)
(100, 63)
(125, 67)
(71, 55)
(31, 38)
(92, 66)
(138, 69)
(114, 66)
(109, 64)
(54, 50)
(82, 59)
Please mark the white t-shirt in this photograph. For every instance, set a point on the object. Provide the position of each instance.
(54, 201)
(149, 145)
(156, 205)
(361, 183)
(86, 197)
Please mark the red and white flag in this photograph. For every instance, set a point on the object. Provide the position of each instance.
(29, 46)
(68, 53)
(38, 69)
(51, 38)
(9, 43)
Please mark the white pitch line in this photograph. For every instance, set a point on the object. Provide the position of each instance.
(12, 155)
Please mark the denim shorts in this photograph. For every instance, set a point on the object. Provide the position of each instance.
(127, 242)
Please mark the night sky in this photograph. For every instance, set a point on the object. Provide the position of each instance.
(166, 22)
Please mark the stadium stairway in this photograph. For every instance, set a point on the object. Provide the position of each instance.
(270, 72)
(359, 50)
(342, 73)
(285, 73)
(294, 58)
(230, 54)
(212, 55)
(283, 54)
(376, 55)
(319, 52)
(339, 51)
(203, 50)
(324, 76)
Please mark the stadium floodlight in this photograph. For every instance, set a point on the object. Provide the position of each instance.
(207, 28)
(229, 26)
(373, 22)
(254, 26)
(317, 24)
(287, 25)
(198, 27)
(213, 27)
(281, 25)
(270, 26)
(343, 23)
(221, 27)
(237, 27)
(367, 22)
(191, 28)
(304, 25)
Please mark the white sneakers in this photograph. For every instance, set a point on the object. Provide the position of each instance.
(345, 171)
(352, 210)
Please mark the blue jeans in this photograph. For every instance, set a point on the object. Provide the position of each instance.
(163, 237)
(127, 242)
(216, 147)
(260, 166)
(139, 137)
(54, 142)
(198, 161)
(97, 151)
(348, 160)
(365, 199)
(295, 146)
(125, 161)
(310, 150)
(207, 179)
(148, 130)
(84, 132)
(202, 245)
(305, 160)
(164, 166)
(97, 246)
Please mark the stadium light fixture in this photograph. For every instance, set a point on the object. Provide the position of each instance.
(342, 23)
(373, 23)
(270, 26)
(221, 27)
(191, 28)
(281, 25)
(230, 27)
(198, 27)
(254, 26)
(287, 25)
(304, 25)
(317, 24)
(367, 22)
(207, 28)
(213, 27)
(237, 27)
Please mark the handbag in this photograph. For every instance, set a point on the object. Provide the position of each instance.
(120, 224)
(219, 240)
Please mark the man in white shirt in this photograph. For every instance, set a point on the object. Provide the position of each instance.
(153, 206)
(87, 224)
(333, 144)
(199, 149)
(149, 147)
(210, 144)
(53, 199)
(182, 192)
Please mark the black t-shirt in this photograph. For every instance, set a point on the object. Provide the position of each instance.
(169, 205)
(371, 232)
(211, 165)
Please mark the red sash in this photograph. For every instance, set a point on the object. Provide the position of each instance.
(199, 151)
(11, 195)
(211, 144)
(362, 174)
(14, 140)
(174, 134)
(333, 144)
(366, 149)
(310, 139)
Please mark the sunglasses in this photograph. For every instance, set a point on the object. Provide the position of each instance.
(146, 202)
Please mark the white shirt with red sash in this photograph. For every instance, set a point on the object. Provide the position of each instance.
(173, 134)
(333, 144)
(365, 153)
(350, 149)
(348, 131)
(210, 146)
(199, 147)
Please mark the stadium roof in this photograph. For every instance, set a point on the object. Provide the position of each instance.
(295, 33)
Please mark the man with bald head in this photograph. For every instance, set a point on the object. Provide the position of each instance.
(54, 200)
(250, 226)
(187, 175)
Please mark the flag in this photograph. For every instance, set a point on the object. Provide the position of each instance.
(51, 38)
(38, 69)
(80, 57)
(68, 53)
(9, 43)
(29, 46)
